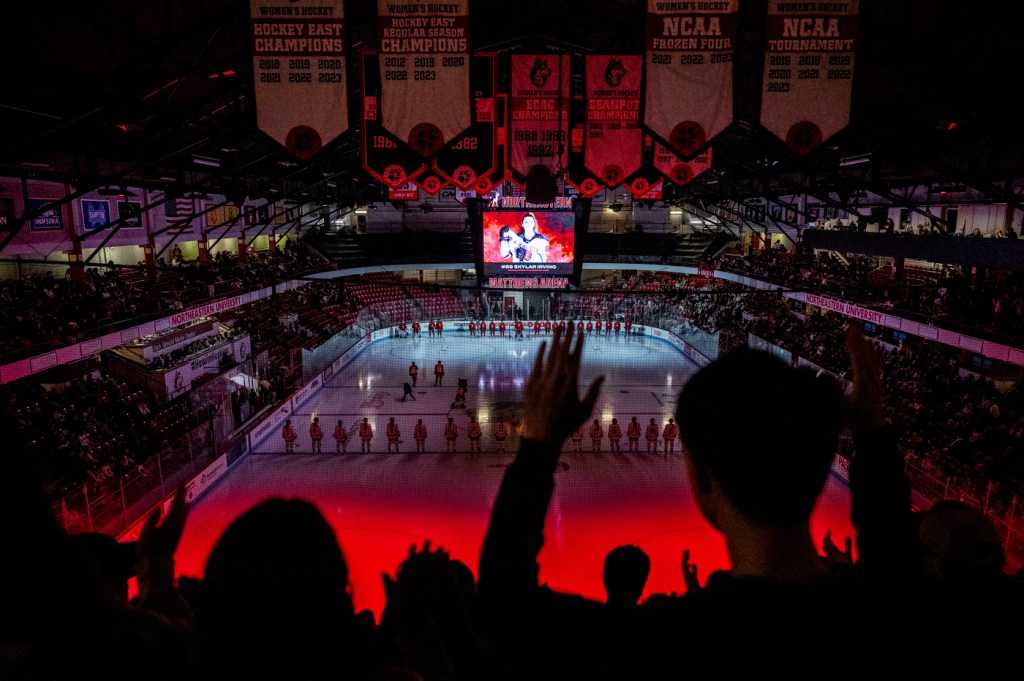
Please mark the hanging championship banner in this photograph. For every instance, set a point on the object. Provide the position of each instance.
(808, 71)
(676, 169)
(613, 139)
(386, 157)
(424, 71)
(688, 91)
(298, 55)
(472, 155)
(540, 113)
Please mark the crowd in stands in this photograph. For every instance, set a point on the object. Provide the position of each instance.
(40, 312)
(946, 297)
(912, 595)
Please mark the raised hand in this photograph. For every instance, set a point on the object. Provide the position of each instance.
(832, 553)
(690, 573)
(553, 409)
(864, 406)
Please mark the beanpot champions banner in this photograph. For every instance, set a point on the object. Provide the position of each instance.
(614, 142)
(540, 113)
(688, 95)
(298, 59)
(424, 71)
(808, 70)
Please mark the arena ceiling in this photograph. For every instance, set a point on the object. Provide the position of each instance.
(107, 92)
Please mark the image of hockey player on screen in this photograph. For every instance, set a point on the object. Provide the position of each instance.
(528, 241)
(526, 245)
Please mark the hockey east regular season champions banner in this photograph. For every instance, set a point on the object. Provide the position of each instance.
(424, 71)
(689, 51)
(612, 150)
(540, 113)
(298, 60)
(808, 70)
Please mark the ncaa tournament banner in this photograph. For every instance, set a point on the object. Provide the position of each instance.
(613, 141)
(688, 92)
(676, 169)
(385, 156)
(298, 57)
(808, 71)
(424, 71)
(540, 113)
(473, 154)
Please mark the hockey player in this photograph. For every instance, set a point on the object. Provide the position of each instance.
(614, 435)
(451, 434)
(633, 435)
(652, 436)
(670, 434)
(474, 433)
(316, 434)
(596, 434)
(394, 435)
(340, 438)
(288, 434)
(365, 435)
(419, 433)
(500, 434)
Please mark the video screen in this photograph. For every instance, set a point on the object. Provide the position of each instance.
(519, 243)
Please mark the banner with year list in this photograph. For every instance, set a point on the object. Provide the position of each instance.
(613, 144)
(424, 71)
(808, 71)
(298, 60)
(688, 88)
(540, 113)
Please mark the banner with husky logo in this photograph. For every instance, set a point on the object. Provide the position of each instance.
(298, 55)
(540, 113)
(613, 143)
(688, 90)
(808, 71)
(424, 71)
(676, 169)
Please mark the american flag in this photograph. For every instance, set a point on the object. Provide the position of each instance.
(181, 207)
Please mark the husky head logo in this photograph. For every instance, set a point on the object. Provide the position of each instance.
(614, 72)
(540, 72)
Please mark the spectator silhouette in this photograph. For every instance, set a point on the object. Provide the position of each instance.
(625, 574)
(275, 600)
(429, 620)
(781, 611)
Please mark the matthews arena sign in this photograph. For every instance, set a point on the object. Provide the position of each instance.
(528, 282)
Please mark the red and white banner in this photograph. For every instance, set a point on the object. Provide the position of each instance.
(298, 55)
(540, 112)
(688, 93)
(676, 169)
(407, 192)
(808, 71)
(613, 143)
(424, 71)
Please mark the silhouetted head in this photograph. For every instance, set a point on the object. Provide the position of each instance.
(625, 574)
(772, 476)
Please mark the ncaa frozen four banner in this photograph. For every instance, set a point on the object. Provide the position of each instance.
(424, 71)
(808, 70)
(688, 93)
(298, 55)
(540, 113)
(613, 145)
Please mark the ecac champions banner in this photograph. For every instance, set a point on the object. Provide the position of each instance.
(424, 71)
(298, 63)
(540, 112)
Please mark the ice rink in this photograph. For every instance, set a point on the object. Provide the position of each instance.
(381, 503)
